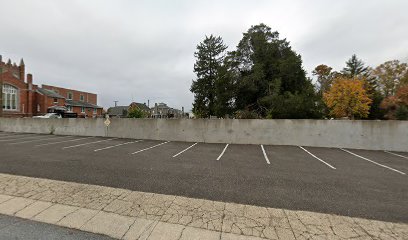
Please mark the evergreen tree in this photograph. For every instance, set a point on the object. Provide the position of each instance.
(209, 56)
(267, 68)
(355, 68)
(225, 91)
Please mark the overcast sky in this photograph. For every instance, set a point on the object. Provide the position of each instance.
(140, 50)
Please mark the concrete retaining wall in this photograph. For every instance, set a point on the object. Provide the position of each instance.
(374, 135)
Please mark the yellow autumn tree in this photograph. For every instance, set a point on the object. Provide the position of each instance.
(347, 97)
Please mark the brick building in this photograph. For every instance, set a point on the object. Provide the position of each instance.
(22, 98)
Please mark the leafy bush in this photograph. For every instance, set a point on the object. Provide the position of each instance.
(246, 114)
(136, 113)
(402, 113)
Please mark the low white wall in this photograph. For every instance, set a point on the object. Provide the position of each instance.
(374, 135)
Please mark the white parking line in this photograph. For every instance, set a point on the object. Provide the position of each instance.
(311, 154)
(185, 150)
(264, 153)
(399, 155)
(36, 140)
(376, 163)
(21, 138)
(117, 145)
(150, 147)
(223, 151)
(73, 140)
(83, 144)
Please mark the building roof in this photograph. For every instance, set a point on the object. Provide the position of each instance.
(66, 89)
(118, 110)
(141, 106)
(122, 110)
(80, 104)
(49, 93)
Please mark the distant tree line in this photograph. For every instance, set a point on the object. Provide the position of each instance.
(264, 78)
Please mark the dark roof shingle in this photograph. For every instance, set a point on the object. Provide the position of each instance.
(49, 93)
(80, 104)
(118, 110)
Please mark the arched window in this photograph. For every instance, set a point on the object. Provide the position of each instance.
(10, 97)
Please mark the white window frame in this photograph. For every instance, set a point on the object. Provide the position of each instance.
(95, 111)
(70, 109)
(9, 92)
(56, 102)
(82, 109)
(72, 96)
(81, 98)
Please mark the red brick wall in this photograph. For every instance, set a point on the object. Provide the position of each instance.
(19, 71)
(29, 100)
(76, 95)
(22, 87)
(88, 112)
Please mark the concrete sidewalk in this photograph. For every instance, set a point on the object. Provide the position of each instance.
(126, 214)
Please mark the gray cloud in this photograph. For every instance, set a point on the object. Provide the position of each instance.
(139, 50)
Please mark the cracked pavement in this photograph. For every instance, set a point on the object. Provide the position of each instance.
(126, 214)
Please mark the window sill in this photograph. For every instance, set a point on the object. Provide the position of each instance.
(11, 110)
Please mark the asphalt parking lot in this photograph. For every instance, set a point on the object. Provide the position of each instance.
(350, 182)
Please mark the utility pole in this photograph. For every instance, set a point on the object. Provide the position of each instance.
(1, 91)
(116, 103)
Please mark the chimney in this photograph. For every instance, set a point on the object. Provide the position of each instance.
(30, 79)
(29, 94)
(22, 70)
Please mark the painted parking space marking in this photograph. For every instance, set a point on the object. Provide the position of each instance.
(265, 156)
(376, 163)
(398, 155)
(38, 140)
(185, 150)
(22, 138)
(83, 144)
(72, 140)
(117, 145)
(311, 154)
(150, 147)
(223, 151)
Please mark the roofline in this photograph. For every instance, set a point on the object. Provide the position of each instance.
(68, 89)
(39, 92)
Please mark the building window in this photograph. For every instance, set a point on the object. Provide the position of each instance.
(81, 97)
(38, 108)
(69, 108)
(82, 109)
(69, 97)
(95, 111)
(10, 97)
(55, 100)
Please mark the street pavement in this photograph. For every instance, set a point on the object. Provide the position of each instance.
(130, 215)
(14, 228)
(361, 184)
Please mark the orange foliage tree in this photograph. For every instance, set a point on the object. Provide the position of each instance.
(396, 106)
(347, 97)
